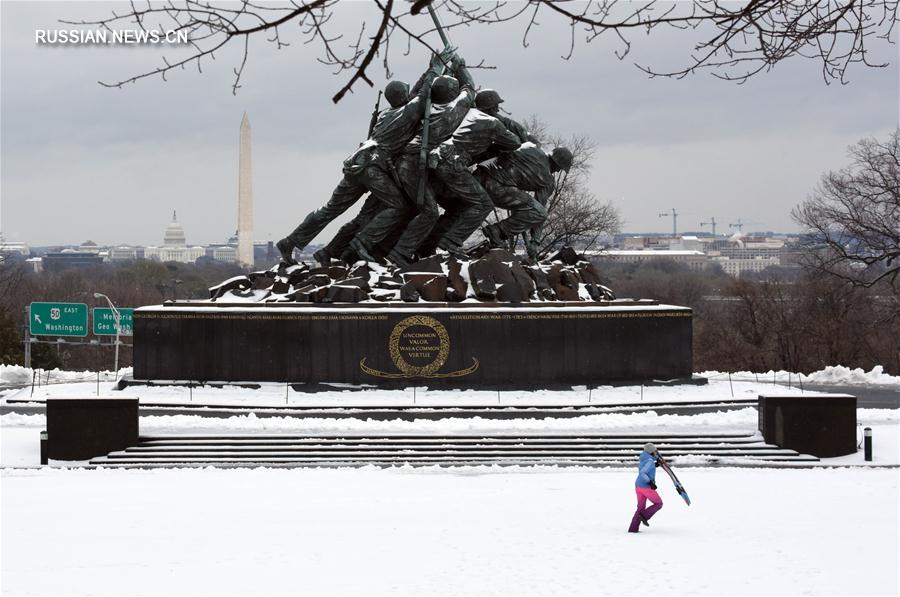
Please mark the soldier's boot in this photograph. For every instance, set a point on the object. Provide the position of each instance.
(453, 249)
(361, 250)
(322, 258)
(398, 259)
(349, 256)
(495, 235)
(479, 250)
(286, 248)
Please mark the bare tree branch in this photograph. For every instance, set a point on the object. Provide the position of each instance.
(853, 217)
(737, 39)
(373, 48)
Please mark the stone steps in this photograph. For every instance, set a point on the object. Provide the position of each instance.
(447, 450)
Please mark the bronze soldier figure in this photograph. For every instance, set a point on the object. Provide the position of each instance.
(452, 98)
(465, 201)
(337, 247)
(507, 181)
(370, 167)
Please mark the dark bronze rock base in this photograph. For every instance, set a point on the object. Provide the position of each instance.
(495, 275)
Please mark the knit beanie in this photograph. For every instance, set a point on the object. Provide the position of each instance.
(649, 448)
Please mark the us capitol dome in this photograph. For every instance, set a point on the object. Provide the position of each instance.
(174, 233)
(174, 246)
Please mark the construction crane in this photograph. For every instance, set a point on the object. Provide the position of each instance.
(741, 223)
(712, 222)
(674, 216)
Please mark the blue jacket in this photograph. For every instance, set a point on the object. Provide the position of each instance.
(646, 470)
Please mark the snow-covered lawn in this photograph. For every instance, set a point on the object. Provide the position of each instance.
(473, 530)
(432, 531)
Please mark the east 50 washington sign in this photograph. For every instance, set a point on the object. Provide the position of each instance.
(71, 319)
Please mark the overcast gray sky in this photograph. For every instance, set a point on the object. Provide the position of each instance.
(80, 161)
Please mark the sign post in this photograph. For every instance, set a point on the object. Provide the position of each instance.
(28, 338)
(115, 316)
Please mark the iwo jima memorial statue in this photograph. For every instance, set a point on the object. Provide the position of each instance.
(395, 298)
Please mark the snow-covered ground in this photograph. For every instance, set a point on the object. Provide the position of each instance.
(830, 530)
(273, 394)
(721, 387)
(462, 531)
(834, 375)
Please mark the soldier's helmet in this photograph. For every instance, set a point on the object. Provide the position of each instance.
(488, 100)
(562, 157)
(444, 89)
(396, 93)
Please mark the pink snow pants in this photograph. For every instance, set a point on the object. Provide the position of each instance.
(644, 494)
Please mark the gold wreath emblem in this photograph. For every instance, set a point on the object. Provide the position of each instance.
(407, 369)
(443, 345)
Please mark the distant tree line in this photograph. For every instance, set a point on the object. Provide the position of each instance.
(796, 320)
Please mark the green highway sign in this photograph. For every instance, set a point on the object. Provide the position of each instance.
(58, 319)
(105, 322)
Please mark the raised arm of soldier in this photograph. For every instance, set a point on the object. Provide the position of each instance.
(462, 73)
(438, 63)
(466, 97)
(397, 126)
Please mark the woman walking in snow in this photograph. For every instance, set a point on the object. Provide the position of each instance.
(645, 487)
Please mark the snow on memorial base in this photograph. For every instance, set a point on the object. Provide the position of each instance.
(465, 345)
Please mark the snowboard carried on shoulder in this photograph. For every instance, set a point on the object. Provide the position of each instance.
(678, 486)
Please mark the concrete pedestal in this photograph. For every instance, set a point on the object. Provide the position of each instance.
(82, 428)
(820, 425)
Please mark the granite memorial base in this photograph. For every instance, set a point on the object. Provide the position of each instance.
(83, 428)
(394, 344)
(823, 425)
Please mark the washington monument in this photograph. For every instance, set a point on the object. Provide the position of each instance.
(245, 198)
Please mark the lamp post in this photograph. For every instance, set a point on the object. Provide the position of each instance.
(118, 319)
